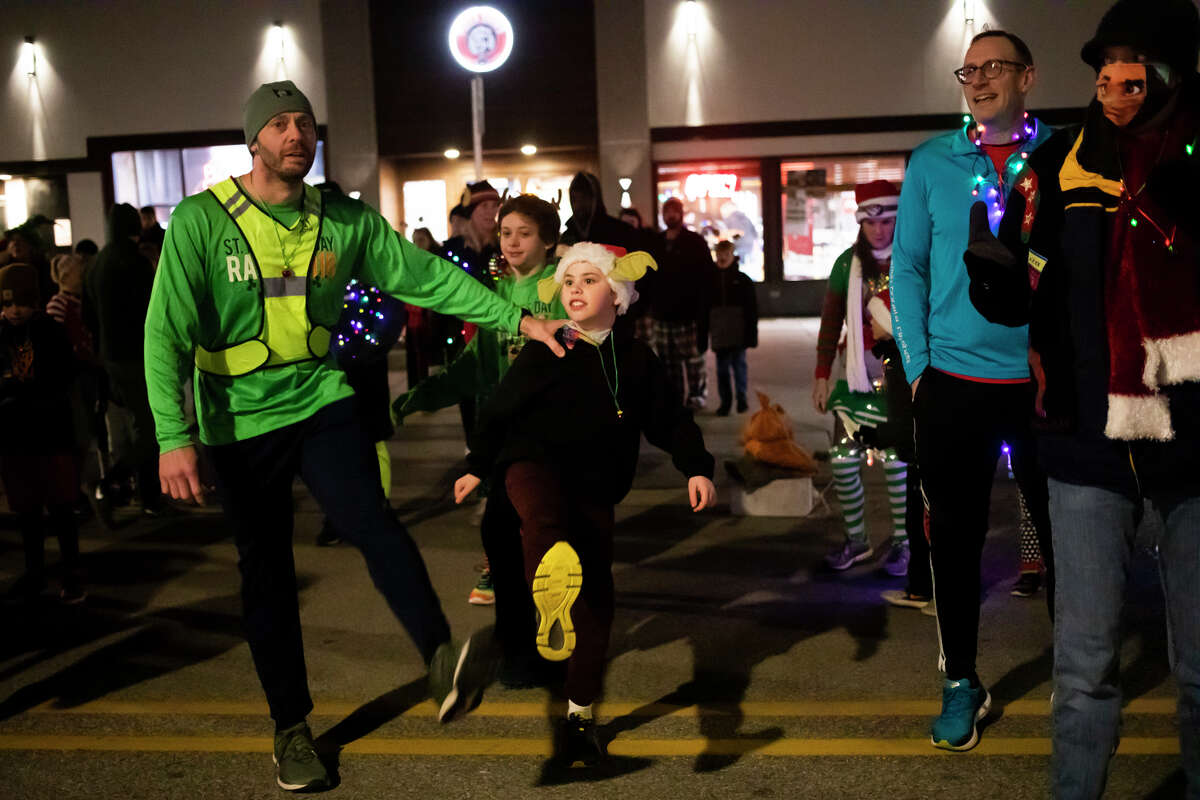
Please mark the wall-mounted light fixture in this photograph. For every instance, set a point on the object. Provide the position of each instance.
(969, 12)
(278, 40)
(528, 149)
(452, 153)
(5, 177)
(691, 8)
(29, 57)
(625, 183)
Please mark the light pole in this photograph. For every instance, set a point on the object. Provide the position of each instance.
(481, 39)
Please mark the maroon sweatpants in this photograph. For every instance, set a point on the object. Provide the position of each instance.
(552, 510)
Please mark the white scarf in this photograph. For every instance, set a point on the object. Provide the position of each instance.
(856, 366)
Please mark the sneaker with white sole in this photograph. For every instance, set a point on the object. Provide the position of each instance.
(963, 706)
(297, 765)
(484, 593)
(896, 563)
(849, 554)
(904, 598)
(459, 675)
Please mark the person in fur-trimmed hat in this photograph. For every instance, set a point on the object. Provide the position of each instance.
(1099, 251)
(565, 434)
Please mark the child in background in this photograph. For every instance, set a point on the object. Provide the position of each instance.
(564, 434)
(528, 233)
(39, 463)
(733, 326)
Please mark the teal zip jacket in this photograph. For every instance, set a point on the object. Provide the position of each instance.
(932, 317)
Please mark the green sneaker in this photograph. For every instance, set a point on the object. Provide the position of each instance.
(297, 765)
(458, 675)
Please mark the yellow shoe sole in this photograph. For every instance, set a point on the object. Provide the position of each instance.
(556, 585)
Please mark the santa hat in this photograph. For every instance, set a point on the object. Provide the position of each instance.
(620, 269)
(876, 200)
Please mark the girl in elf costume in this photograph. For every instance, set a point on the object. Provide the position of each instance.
(878, 424)
(564, 434)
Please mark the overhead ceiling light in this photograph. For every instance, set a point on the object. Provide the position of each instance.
(5, 177)
(279, 40)
(528, 149)
(452, 153)
(29, 57)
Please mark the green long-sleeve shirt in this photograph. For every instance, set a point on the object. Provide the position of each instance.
(203, 297)
(479, 368)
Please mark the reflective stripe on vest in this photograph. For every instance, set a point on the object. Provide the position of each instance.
(287, 334)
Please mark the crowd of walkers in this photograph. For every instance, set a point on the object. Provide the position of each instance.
(1026, 291)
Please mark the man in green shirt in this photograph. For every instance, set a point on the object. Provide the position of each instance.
(250, 282)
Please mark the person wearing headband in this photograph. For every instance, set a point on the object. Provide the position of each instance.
(565, 435)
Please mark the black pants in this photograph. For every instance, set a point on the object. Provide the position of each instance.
(960, 426)
(897, 432)
(336, 460)
(516, 617)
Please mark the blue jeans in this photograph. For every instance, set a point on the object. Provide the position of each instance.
(734, 360)
(1093, 533)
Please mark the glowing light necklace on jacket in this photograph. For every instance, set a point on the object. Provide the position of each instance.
(996, 195)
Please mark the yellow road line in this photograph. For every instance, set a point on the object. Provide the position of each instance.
(814, 708)
(989, 746)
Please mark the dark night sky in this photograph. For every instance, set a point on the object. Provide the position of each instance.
(545, 93)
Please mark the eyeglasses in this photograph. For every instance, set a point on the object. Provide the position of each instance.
(991, 69)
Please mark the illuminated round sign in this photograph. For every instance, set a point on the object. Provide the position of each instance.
(481, 39)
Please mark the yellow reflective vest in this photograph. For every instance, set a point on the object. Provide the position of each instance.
(286, 261)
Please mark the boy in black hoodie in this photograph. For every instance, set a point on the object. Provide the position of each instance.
(568, 430)
(39, 465)
(733, 325)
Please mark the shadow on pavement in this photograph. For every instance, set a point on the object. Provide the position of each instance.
(123, 580)
(745, 608)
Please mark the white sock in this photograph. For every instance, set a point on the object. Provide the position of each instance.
(582, 711)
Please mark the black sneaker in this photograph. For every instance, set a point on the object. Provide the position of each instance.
(328, 536)
(742, 405)
(1027, 584)
(72, 592)
(578, 743)
(723, 409)
(459, 675)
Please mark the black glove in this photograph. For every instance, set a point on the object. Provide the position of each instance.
(999, 284)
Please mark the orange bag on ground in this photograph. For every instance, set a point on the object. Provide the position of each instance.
(768, 438)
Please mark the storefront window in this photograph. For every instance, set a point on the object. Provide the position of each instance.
(161, 178)
(720, 201)
(818, 208)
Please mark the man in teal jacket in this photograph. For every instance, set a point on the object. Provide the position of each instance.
(970, 377)
(249, 284)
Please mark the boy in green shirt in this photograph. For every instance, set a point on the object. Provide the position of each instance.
(250, 282)
(528, 234)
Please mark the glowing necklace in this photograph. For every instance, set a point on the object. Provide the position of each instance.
(613, 386)
(997, 195)
(300, 228)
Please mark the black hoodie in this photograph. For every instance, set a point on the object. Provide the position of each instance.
(117, 289)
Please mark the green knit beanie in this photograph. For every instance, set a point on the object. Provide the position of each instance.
(267, 101)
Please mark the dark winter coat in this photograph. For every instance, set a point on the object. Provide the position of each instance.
(1059, 235)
